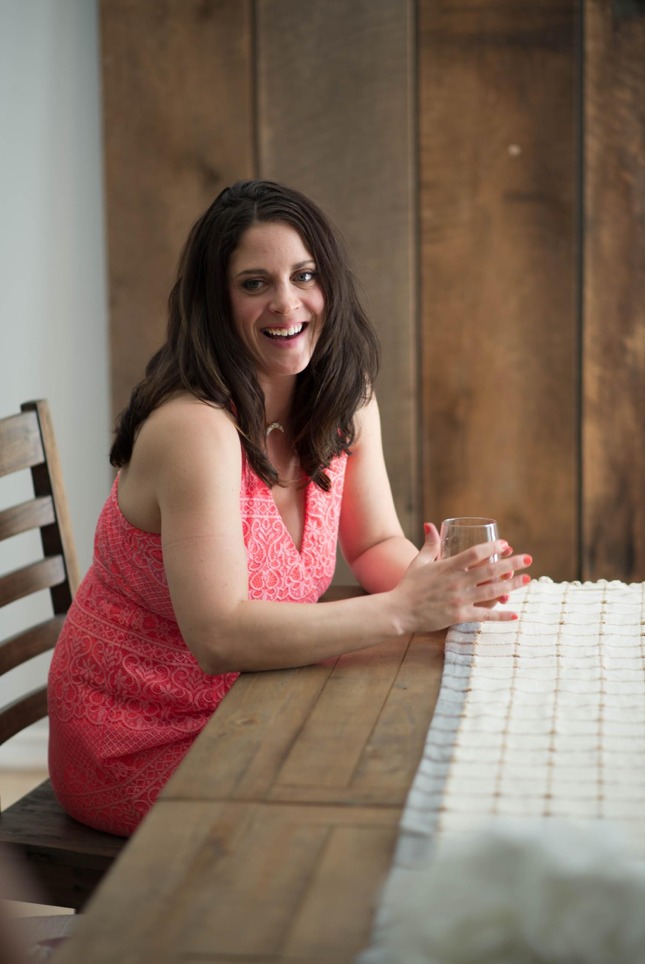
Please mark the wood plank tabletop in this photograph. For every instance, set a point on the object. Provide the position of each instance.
(272, 840)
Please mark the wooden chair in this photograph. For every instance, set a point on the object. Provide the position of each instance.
(65, 859)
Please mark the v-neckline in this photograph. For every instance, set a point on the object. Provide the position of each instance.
(305, 518)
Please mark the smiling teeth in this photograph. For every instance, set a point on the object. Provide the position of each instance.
(284, 332)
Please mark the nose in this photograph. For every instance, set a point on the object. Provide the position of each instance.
(285, 300)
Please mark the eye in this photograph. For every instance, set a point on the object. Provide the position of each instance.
(306, 276)
(252, 284)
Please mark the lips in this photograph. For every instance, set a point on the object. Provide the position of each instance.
(284, 334)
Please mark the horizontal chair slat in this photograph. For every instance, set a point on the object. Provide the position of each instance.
(23, 712)
(38, 575)
(21, 444)
(38, 822)
(65, 859)
(26, 516)
(29, 643)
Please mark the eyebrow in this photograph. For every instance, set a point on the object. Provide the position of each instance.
(294, 267)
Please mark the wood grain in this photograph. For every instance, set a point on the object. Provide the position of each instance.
(336, 120)
(43, 574)
(241, 751)
(361, 699)
(24, 645)
(241, 882)
(497, 172)
(178, 109)
(614, 295)
(279, 738)
(29, 515)
(228, 867)
(21, 443)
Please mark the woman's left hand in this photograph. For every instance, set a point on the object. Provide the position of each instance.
(509, 575)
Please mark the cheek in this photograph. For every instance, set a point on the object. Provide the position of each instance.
(318, 307)
(241, 314)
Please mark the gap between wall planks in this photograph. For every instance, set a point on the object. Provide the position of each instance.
(614, 294)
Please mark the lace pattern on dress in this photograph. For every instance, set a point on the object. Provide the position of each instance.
(126, 696)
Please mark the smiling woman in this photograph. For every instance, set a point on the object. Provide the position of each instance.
(251, 447)
(277, 306)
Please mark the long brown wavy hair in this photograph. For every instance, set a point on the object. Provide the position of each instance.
(204, 355)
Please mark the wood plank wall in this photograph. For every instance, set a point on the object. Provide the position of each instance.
(354, 155)
(485, 165)
(497, 87)
(178, 123)
(613, 422)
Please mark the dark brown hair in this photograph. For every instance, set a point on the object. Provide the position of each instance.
(204, 355)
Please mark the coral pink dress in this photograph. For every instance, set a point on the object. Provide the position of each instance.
(126, 696)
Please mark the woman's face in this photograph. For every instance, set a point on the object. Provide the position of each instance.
(276, 299)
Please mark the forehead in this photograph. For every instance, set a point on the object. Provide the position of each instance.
(269, 244)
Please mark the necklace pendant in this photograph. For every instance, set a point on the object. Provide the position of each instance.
(273, 426)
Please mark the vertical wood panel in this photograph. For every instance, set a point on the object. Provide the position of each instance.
(498, 270)
(498, 185)
(178, 121)
(336, 105)
(614, 338)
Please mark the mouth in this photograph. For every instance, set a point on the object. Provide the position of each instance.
(284, 334)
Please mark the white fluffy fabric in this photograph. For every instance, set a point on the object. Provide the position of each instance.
(518, 892)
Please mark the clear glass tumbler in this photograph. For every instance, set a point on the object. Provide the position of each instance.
(463, 532)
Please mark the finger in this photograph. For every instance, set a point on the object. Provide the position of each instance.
(492, 590)
(502, 600)
(499, 616)
(476, 555)
(506, 568)
(432, 543)
(502, 568)
(487, 611)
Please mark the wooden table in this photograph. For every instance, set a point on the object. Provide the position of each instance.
(272, 840)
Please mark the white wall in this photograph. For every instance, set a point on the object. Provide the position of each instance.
(53, 313)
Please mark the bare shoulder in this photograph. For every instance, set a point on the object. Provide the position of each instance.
(183, 422)
(182, 449)
(367, 421)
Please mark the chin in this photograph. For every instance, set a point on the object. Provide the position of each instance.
(289, 369)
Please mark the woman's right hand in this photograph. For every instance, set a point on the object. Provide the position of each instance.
(435, 593)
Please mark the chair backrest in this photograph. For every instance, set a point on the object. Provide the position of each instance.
(27, 442)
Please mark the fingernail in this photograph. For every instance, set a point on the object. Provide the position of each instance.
(526, 580)
(527, 560)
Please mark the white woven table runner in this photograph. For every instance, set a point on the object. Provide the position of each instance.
(539, 717)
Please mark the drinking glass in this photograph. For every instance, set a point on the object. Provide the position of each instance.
(466, 531)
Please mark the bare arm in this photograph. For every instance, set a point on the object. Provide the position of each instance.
(371, 537)
(188, 456)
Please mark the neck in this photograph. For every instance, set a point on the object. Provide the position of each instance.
(278, 399)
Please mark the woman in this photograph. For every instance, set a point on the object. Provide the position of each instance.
(250, 446)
